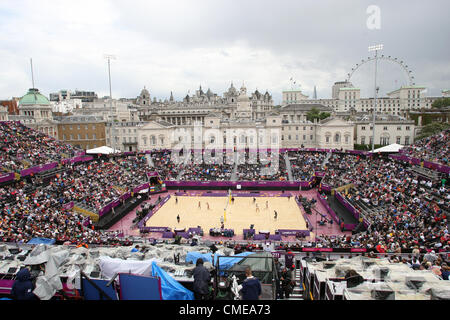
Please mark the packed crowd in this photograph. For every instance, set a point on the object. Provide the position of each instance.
(256, 167)
(434, 149)
(29, 210)
(22, 147)
(97, 183)
(206, 169)
(304, 164)
(402, 211)
(407, 211)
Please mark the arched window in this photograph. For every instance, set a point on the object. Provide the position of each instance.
(144, 140)
(153, 140)
(337, 138)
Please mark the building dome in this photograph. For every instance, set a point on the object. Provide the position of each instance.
(145, 93)
(33, 97)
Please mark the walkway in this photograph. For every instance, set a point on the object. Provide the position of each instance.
(288, 167)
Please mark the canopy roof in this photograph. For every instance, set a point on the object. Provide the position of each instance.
(103, 150)
(390, 148)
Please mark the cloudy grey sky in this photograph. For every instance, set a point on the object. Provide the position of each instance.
(178, 45)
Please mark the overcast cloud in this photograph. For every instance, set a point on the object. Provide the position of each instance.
(178, 45)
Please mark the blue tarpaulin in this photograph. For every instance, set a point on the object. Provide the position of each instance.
(42, 241)
(171, 289)
(194, 255)
(227, 262)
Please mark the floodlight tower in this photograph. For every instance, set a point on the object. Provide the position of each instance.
(376, 49)
(110, 57)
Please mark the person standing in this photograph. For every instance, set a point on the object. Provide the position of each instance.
(22, 288)
(202, 279)
(178, 218)
(199, 205)
(278, 281)
(267, 204)
(251, 287)
(276, 215)
(286, 287)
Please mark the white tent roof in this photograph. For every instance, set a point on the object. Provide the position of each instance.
(390, 148)
(103, 150)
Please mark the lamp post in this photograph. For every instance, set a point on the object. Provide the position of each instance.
(376, 49)
(111, 129)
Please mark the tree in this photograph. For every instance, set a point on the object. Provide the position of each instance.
(441, 103)
(432, 129)
(316, 114)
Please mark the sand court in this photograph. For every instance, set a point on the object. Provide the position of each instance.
(239, 215)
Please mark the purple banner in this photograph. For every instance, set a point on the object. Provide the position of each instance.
(37, 169)
(325, 187)
(68, 206)
(288, 232)
(426, 164)
(7, 177)
(233, 184)
(142, 187)
(152, 174)
(87, 158)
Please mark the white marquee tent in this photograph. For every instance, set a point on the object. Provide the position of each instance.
(103, 150)
(390, 148)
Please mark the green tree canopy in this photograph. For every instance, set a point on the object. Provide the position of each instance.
(432, 129)
(441, 103)
(316, 114)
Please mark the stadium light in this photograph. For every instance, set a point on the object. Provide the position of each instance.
(375, 48)
(110, 57)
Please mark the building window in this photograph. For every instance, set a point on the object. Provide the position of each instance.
(363, 140)
(385, 128)
(337, 138)
(407, 128)
(399, 128)
(407, 140)
(363, 128)
(399, 139)
(87, 136)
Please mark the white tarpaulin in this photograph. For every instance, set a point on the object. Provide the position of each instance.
(110, 266)
(53, 258)
(390, 148)
(103, 150)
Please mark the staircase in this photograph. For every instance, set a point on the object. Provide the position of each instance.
(297, 293)
(329, 154)
(234, 174)
(288, 167)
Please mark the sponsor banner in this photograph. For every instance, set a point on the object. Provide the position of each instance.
(7, 177)
(68, 206)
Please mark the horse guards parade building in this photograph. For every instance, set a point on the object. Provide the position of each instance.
(249, 120)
